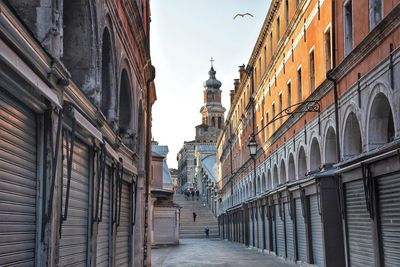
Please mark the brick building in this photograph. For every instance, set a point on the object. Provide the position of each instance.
(320, 96)
(76, 90)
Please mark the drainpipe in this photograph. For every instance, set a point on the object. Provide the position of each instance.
(333, 79)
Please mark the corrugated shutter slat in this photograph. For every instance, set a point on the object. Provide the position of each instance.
(316, 231)
(289, 233)
(300, 233)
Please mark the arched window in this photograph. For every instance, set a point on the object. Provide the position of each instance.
(258, 186)
(302, 164)
(269, 180)
(275, 177)
(352, 137)
(108, 97)
(315, 155)
(213, 122)
(125, 109)
(264, 182)
(283, 177)
(380, 124)
(78, 44)
(292, 168)
(330, 147)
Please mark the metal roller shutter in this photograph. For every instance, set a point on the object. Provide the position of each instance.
(260, 229)
(280, 235)
(103, 233)
(267, 233)
(300, 233)
(74, 231)
(122, 245)
(359, 230)
(316, 232)
(289, 234)
(17, 183)
(273, 221)
(389, 206)
(251, 226)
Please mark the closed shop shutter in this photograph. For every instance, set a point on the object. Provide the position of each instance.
(389, 206)
(267, 233)
(359, 230)
(289, 234)
(260, 229)
(17, 183)
(280, 237)
(251, 226)
(74, 231)
(316, 232)
(103, 238)
(273, 220)
(122, 244)
(300, 233)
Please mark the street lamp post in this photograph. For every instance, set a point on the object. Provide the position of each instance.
(253, 151)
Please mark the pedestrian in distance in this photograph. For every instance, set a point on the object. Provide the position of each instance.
(207, 231)
(194, 216)
(192, 195)
(197, 194)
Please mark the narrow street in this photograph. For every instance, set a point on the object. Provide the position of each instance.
(212, 252)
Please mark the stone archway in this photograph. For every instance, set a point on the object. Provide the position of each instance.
(302, 164)
(352, 142)
(291, 168)
(108, 91)
(282, 173)
(275, 177)
(269, 180)
(331, 155)
(381, 128)
(315, 155)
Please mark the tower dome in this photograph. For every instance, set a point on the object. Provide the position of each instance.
(212, 82)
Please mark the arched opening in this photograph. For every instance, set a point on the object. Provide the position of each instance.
(258, 185)
(264, 183)
(380, 124)
(330, 147)
(78, 44)
(315, 156)
(125, 110)
(269, 180)
(275, 177)
(108, 97)
(352, 145)
(292, 169)
(283, 172)
(302, 164)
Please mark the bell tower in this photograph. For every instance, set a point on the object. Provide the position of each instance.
(212, 112)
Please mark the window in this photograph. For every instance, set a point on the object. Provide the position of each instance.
(273, 117)
(299, 86)
(265, 56)
(280, 108)
(286, 13)
(219, 122)
(259, 68)
(289, 95)
(213, 122)
(328, 50)
(312, 71)
(348, 27)
(271, 48)
(375, 12)
(266, 122)
(278, 27)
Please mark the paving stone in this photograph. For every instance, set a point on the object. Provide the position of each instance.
(213, 252)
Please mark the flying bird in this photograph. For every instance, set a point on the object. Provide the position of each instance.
(242, 15)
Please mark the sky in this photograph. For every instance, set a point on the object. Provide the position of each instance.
(185, 34)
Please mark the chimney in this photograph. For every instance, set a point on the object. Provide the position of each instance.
(242, 71)
(236, 83)
(232, 95)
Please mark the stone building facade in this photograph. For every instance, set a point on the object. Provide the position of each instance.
(320, 96)
(76, 90)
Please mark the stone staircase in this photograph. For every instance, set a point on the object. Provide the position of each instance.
(205, 218)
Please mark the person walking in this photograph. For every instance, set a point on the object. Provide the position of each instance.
(197, 194)
(194, 216)
(207, 231)
(192, 195)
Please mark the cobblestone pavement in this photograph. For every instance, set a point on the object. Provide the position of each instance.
(209, 252)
